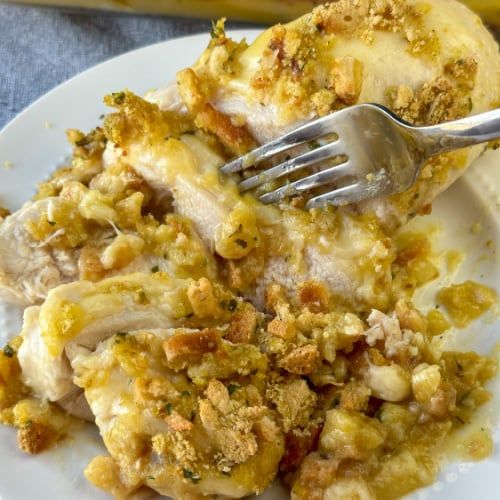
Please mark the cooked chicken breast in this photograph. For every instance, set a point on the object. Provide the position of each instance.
(260, 244)
(182, 412)
(30, 268)
(86, 234)
(337, 56)
(78, 316)
(448, 66)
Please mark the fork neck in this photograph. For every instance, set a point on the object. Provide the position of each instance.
(461, 133)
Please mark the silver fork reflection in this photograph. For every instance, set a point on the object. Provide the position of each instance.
(373, 153)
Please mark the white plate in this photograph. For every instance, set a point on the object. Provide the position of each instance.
(34, 143)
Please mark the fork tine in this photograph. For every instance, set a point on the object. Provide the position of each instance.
(310, 182)
(309, 131)
(320, 154)
(338, 197)
(362, 190)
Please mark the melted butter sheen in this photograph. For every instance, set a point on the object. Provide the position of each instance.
(466, 301)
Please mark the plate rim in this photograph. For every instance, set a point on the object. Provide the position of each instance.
(242, 32)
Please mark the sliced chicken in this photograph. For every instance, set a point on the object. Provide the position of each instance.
(448, 66)
(188, 419)
(336, 56)
(77, 316)
(260, 244)
(30, 268)
(79, 235)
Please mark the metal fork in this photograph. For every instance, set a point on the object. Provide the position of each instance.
(374, 153)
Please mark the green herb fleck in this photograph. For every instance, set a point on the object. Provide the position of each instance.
(314, 145)
(185, 394)
(140, 297)
(82, 142)
(467, 394)
(189, 474)
(241, 242)
(469, 104)
(169, 408)
(118, 97)
(155, 269)
(217, 30)
(120, 336)
(27, 424)
(51, 222)
(152, 478)
(213, 31)
(8, 351)
(231, 388)
(335, 402)
(232, 305)
(459, 419)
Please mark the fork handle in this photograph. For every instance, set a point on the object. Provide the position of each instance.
(457, 134)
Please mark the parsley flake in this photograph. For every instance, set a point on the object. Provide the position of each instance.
(232, 305)
(8, 351)
(335, 402)
(155, 269)
(118, 97)
(120, 336)
(231, 388)
(82, 142)
(169, 408)
(241, 242)
(189, 474)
